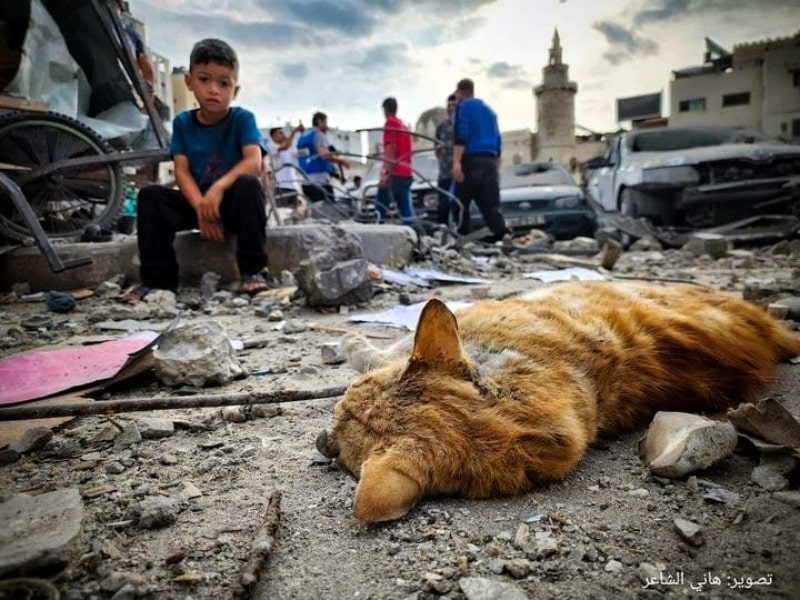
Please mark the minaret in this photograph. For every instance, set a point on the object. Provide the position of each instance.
(555, 109)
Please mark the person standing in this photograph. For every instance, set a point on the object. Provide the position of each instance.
(316, 159)
(283, 157)
(396, 173)
(444, 152)
(476, 159)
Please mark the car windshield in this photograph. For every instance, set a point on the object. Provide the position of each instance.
(423, 163)
(664, 140)
(535, 174)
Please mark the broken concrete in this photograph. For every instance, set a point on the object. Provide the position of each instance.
(39, 533)
(711, 244)
(287, 246)
(196, 354)
(677, 444)
(768, 420)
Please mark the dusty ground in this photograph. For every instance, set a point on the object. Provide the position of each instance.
(585, 538)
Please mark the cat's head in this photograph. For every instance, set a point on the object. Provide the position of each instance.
(373, 435)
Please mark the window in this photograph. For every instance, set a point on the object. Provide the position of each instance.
(784, 128)
(796, 128)
(796, 78)
(736, 99)
(692, 105)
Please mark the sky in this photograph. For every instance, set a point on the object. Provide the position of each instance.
(345, 56)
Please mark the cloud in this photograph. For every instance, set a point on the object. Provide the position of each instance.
(342, 16)
(383, 56)
(517, 84)
(294, 70)
(504, 70)
(669, 10)
(624, 43)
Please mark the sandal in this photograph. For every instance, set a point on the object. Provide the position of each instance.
(135, 295)
(253, 284)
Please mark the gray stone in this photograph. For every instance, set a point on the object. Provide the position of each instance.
(8, 456)
(770, 474)
(332, 353)
(107, 289)
(711, 244)
(209, 284)
(480, 588)
(336, 275)
(33, 439)
(39, 533)
(158, 511)
(677, 443)
(793, 305)
(196, 354)
(154, 429)
(646, 243)
(294, 326)
(613, 566)
(689, 531)
(518, 568)
(127, 437)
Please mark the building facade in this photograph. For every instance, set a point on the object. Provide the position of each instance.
(555, 109)
(757, 86)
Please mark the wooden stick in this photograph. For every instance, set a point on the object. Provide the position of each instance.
(261, 547)
(104, 407)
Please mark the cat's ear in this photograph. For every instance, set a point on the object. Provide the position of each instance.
(383, 492)
(436, 342)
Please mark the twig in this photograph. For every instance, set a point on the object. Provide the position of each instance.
(103, 407)
(261, 548)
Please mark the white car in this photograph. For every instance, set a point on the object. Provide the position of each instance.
(696, 177)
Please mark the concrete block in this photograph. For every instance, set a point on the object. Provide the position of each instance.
(287, 246)
(109, 259)
(40, 533)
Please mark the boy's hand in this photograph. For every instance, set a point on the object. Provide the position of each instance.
(208, 210)
(212, 231)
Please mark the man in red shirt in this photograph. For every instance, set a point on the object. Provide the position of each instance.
(396, 174)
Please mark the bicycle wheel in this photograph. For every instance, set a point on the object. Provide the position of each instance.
(67, 200)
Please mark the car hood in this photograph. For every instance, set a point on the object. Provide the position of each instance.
(538, 192)
(693, 156)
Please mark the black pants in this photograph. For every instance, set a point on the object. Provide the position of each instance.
(443, 208)
(481, 183)
(318, 192)
(164, 211)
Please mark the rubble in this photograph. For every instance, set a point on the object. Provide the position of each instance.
(608, 526)
(40, 533)
(196, 354)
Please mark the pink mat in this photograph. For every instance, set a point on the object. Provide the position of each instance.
(41, 373)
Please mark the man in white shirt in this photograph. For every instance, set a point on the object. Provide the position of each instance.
(284, 159)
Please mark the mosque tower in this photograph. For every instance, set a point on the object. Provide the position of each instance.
(555, 109)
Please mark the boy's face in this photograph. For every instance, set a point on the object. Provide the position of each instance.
(214, 86)
(278, 136)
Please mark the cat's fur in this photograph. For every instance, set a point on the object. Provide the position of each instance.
(510, 394)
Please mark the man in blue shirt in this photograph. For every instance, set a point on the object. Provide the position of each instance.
(217, 150)
(476, 158)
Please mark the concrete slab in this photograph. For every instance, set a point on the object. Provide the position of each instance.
(110, 259)
(287, 246)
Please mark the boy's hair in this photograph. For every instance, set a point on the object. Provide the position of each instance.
(452, 98)
(212, 50)
(390, 105)
(274, 130)
(318, 116)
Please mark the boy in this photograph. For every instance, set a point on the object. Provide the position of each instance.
(217, 151)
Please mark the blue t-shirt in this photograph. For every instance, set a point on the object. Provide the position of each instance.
(476, 128)
(213, 150)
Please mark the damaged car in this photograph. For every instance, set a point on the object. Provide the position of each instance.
(696, 177)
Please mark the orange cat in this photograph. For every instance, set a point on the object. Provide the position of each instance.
(510, 395)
